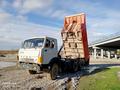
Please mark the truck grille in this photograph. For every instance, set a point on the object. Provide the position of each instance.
(27, 60)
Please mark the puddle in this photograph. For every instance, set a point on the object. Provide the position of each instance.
(6, 64)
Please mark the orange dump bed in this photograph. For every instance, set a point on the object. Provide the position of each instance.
(74, 36)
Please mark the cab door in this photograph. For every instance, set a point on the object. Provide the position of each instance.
(49, 51)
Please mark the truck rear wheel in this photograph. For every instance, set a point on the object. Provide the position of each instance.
(54, 71)
(32, 72)
(75, 67)
(87, 63)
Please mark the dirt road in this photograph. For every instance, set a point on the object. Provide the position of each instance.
(14, 78)
(18, 79)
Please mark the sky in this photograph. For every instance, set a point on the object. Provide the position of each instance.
(23, 19)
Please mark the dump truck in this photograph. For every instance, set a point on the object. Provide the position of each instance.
(39, 54)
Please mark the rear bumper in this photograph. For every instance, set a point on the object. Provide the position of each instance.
(29, 66)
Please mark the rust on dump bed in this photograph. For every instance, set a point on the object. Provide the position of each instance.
(74, 36)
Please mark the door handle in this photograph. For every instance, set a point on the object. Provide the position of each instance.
(45, 50)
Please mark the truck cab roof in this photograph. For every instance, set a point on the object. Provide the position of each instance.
(40, 37)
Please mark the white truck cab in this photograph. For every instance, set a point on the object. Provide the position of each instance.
(37, 51)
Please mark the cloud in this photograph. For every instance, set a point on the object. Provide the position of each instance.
(17, 4)
(107, 23)
(21, 17)
(38, 7)
(59, 14)
(4, 3)
(36, 4)
(4, 17)
(24, 30)
(15, 28)
(101, 20)
(94, 35)
(26, 6)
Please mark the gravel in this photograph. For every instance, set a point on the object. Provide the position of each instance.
(18, 79)
(22, 80)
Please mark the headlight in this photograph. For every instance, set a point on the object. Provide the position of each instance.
(40, 60)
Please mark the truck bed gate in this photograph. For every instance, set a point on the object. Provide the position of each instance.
(74, 37)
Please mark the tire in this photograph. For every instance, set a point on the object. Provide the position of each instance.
(79, 65)
(75, 67)
(54, 71)
(32, 72)
(87, 63)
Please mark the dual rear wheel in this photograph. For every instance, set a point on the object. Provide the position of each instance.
(75, 67)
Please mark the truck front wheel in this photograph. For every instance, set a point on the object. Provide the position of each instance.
(54, 71)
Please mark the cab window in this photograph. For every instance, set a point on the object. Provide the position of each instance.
(47, 45)
(52, 44)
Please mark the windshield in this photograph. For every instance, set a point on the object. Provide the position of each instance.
(33, 43)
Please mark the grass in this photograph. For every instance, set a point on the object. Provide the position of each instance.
(106, 79)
